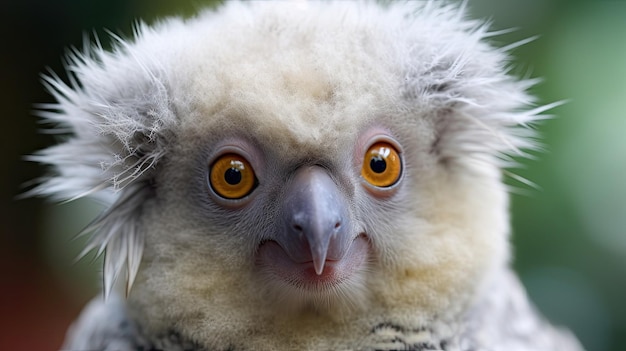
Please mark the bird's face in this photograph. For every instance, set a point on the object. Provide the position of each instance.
(312, 191)
(294, 172)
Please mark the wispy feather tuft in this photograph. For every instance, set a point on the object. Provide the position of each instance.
(483, 114)
(116, 110)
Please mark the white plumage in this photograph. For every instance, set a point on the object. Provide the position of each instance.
(248, 156)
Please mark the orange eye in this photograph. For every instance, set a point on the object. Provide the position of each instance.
(382, 165)
(232, 177)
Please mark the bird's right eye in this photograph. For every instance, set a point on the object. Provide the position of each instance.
(232, 177)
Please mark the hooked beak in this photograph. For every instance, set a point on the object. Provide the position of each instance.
(316, 224)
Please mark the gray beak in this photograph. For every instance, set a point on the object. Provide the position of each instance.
(316, 224)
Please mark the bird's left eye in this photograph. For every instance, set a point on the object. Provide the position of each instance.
(382, 165)
(232, 177)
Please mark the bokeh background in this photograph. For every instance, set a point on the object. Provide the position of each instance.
(569, 231)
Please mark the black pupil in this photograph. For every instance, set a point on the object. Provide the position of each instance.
(232, 176)
(378, 164)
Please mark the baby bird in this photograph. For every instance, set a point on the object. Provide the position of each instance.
(299, 176)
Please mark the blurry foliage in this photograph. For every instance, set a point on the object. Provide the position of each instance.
(569, 235)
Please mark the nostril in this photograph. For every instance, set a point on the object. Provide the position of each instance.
(337, 225)
(297, 227)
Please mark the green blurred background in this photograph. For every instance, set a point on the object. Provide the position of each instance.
(569, 234)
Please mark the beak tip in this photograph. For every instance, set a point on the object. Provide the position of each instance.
(318, 264)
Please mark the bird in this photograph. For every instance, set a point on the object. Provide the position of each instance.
(299, 176)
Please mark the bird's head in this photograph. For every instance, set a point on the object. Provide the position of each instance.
(290, 167)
